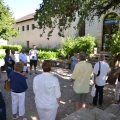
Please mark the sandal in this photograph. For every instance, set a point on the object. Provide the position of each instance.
(115, 101)
(15, 118)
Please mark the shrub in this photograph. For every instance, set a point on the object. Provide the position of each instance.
(2, 56)
(71, 44)
(15, 47)
(115, 43)
(47, 55)
(55, 49)
(62, 53)
(85, 44)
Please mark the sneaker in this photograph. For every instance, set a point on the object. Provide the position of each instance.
(99, 106)
(15, 118)
(92, 104)
(115, 101)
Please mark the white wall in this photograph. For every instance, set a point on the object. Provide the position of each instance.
(92, 28)
(33, 36)
(3, 42)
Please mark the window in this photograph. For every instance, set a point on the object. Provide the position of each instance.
(33, 26)
(27, 27)
(22, 28)
(61, 22)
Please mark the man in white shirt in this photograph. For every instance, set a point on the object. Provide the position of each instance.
(23, 57)
(13, 55)
(33, 56)
(100, 79)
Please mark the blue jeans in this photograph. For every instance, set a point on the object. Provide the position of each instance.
(9, 70)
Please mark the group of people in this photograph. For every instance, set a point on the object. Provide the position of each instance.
(16, 72)
(10, 59)
(46, 86)
(82, 71)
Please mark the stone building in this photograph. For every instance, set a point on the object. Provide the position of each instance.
(100, 29)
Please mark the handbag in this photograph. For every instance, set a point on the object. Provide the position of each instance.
(7, 84)
(93, 91)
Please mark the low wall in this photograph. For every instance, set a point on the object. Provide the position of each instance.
(57, 63)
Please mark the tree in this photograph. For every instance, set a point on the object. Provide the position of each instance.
(7, 28)
(52, 11)
(66, 10)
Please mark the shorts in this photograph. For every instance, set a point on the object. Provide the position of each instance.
(33, 62)
(79, 97)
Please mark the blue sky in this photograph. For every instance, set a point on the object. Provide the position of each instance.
(22, 7)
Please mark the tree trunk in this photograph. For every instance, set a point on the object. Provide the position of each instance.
(115, 67)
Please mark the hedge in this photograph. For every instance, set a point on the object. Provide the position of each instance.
(15, 47)
(47, 55)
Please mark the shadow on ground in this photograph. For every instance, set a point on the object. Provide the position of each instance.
(66, 107)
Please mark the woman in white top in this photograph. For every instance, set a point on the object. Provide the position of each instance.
(47, 93)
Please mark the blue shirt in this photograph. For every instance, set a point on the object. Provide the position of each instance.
(6, 59)
(18, 82)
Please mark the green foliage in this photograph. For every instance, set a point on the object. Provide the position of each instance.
(55, 49)
(47, 55)
(115, 43)
(62, 53)
(15, 47)
(85, 44)
(7, 28)
(52, 12)
(26, 49)
(2, 56)
(71, 44)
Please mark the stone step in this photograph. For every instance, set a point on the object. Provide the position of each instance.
(82, 114)
(103, 115)
(87, 114)
(114, 109)
(118, 118)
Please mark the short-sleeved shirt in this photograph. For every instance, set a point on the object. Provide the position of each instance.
(33, 54)
(12, 56)
(6, 59)
(81, 75)
(101, 79)
(18, 82)
(23, 57)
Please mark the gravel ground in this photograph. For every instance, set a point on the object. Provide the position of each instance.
(66, 106)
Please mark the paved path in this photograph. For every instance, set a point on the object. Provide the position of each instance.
(66, 106)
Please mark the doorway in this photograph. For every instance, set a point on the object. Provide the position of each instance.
(27, 44)
(109, 27)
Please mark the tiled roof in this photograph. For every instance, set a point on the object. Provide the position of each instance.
(25, 18)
